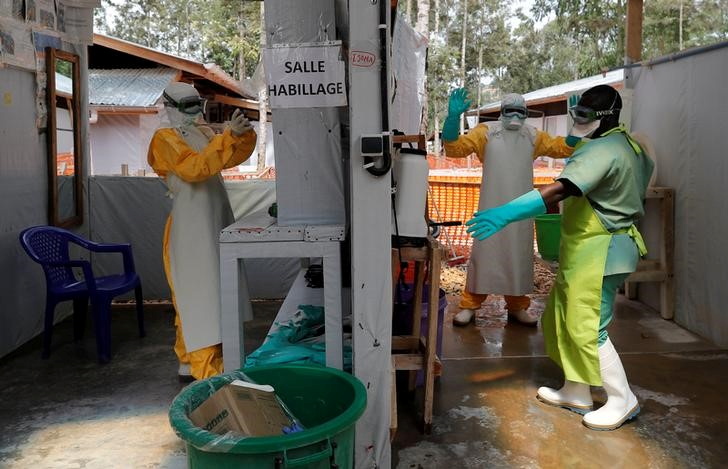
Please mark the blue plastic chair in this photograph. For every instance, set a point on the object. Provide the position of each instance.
(48, 246)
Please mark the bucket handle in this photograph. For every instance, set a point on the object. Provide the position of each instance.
(327, 452)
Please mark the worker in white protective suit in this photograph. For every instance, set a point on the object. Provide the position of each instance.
(190, 157)
(504, 264)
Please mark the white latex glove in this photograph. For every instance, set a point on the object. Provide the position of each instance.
(239, 124)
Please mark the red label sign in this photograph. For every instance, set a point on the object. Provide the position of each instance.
(362, 59)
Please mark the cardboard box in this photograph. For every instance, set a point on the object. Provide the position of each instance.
(245, 408)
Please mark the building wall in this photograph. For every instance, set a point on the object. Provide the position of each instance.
(23, 203)
(117, 140)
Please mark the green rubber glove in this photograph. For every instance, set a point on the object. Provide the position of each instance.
(572, 141)
(457, 104)
(488, 222)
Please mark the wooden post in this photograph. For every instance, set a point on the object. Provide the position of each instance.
(633, 32)
(667, 256)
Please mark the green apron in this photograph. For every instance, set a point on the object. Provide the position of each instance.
(571, 318)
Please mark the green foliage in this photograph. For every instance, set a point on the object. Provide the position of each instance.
(594, 27)
(218, 31)
(64, 67)
(703, 22)
(583, 38)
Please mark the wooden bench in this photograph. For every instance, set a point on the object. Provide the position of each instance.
(417, 352)
(659, 269)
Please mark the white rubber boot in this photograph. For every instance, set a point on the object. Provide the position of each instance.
(184, 373)
(524, 316)
(464, 317)
(572, 396)
(621, 402)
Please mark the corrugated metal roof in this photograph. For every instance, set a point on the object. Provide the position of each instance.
(208, 71)
(562, 89)
(140, 87)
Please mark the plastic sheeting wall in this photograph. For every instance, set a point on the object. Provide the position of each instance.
(134, 210)
(309, 166)
(409, 57)
(24, 203)
(681, 107)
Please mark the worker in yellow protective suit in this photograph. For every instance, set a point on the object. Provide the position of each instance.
(190, 157)
(507, 148)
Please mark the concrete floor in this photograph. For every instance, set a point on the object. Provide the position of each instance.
(69, 412)
(486, 413)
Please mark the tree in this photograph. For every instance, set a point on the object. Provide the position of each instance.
(225, 32)
(538, 58)
(672, 25)
(595, 26)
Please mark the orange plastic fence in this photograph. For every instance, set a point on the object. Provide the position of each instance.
(454, 198)
(451, 197)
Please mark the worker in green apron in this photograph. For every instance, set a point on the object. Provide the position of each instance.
(603, 187)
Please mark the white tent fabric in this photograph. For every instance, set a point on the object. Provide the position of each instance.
(410, 57)
(681, 106)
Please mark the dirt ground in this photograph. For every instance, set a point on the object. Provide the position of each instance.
(452, 278)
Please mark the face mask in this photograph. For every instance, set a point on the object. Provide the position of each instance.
(190, 120)
(585, 130)
(512, 122)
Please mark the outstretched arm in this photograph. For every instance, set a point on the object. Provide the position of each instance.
(488, 222)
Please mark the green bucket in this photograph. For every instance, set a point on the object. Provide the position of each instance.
(326, 401)
(548, 235)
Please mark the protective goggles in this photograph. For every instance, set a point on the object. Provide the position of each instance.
(188, 104)
(514, 112)
(584, 115)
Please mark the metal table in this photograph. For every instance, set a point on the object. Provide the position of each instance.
(259, 236)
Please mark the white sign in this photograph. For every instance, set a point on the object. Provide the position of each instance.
(305, 76)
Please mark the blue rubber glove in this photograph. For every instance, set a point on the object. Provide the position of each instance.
(488, 222)
(457, 104)
(295, 428)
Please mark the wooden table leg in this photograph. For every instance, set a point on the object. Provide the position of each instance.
(417, 315)
(431, 345)
(393, 409)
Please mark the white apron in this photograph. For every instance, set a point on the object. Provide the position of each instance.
(503, 263)
(199, 211)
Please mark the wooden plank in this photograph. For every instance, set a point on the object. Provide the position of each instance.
(416, 138)
(417, 313)
(237, 102)
(656, 192)
(393, 408)
(405, 342)
(408, 361)
(413, 254)
(434, 301)
(647, 276)
(667, 255)
(633, 31)
(124, 110)
(648, 264)
(631, 290)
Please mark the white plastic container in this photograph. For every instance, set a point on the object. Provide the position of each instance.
(410, 174)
